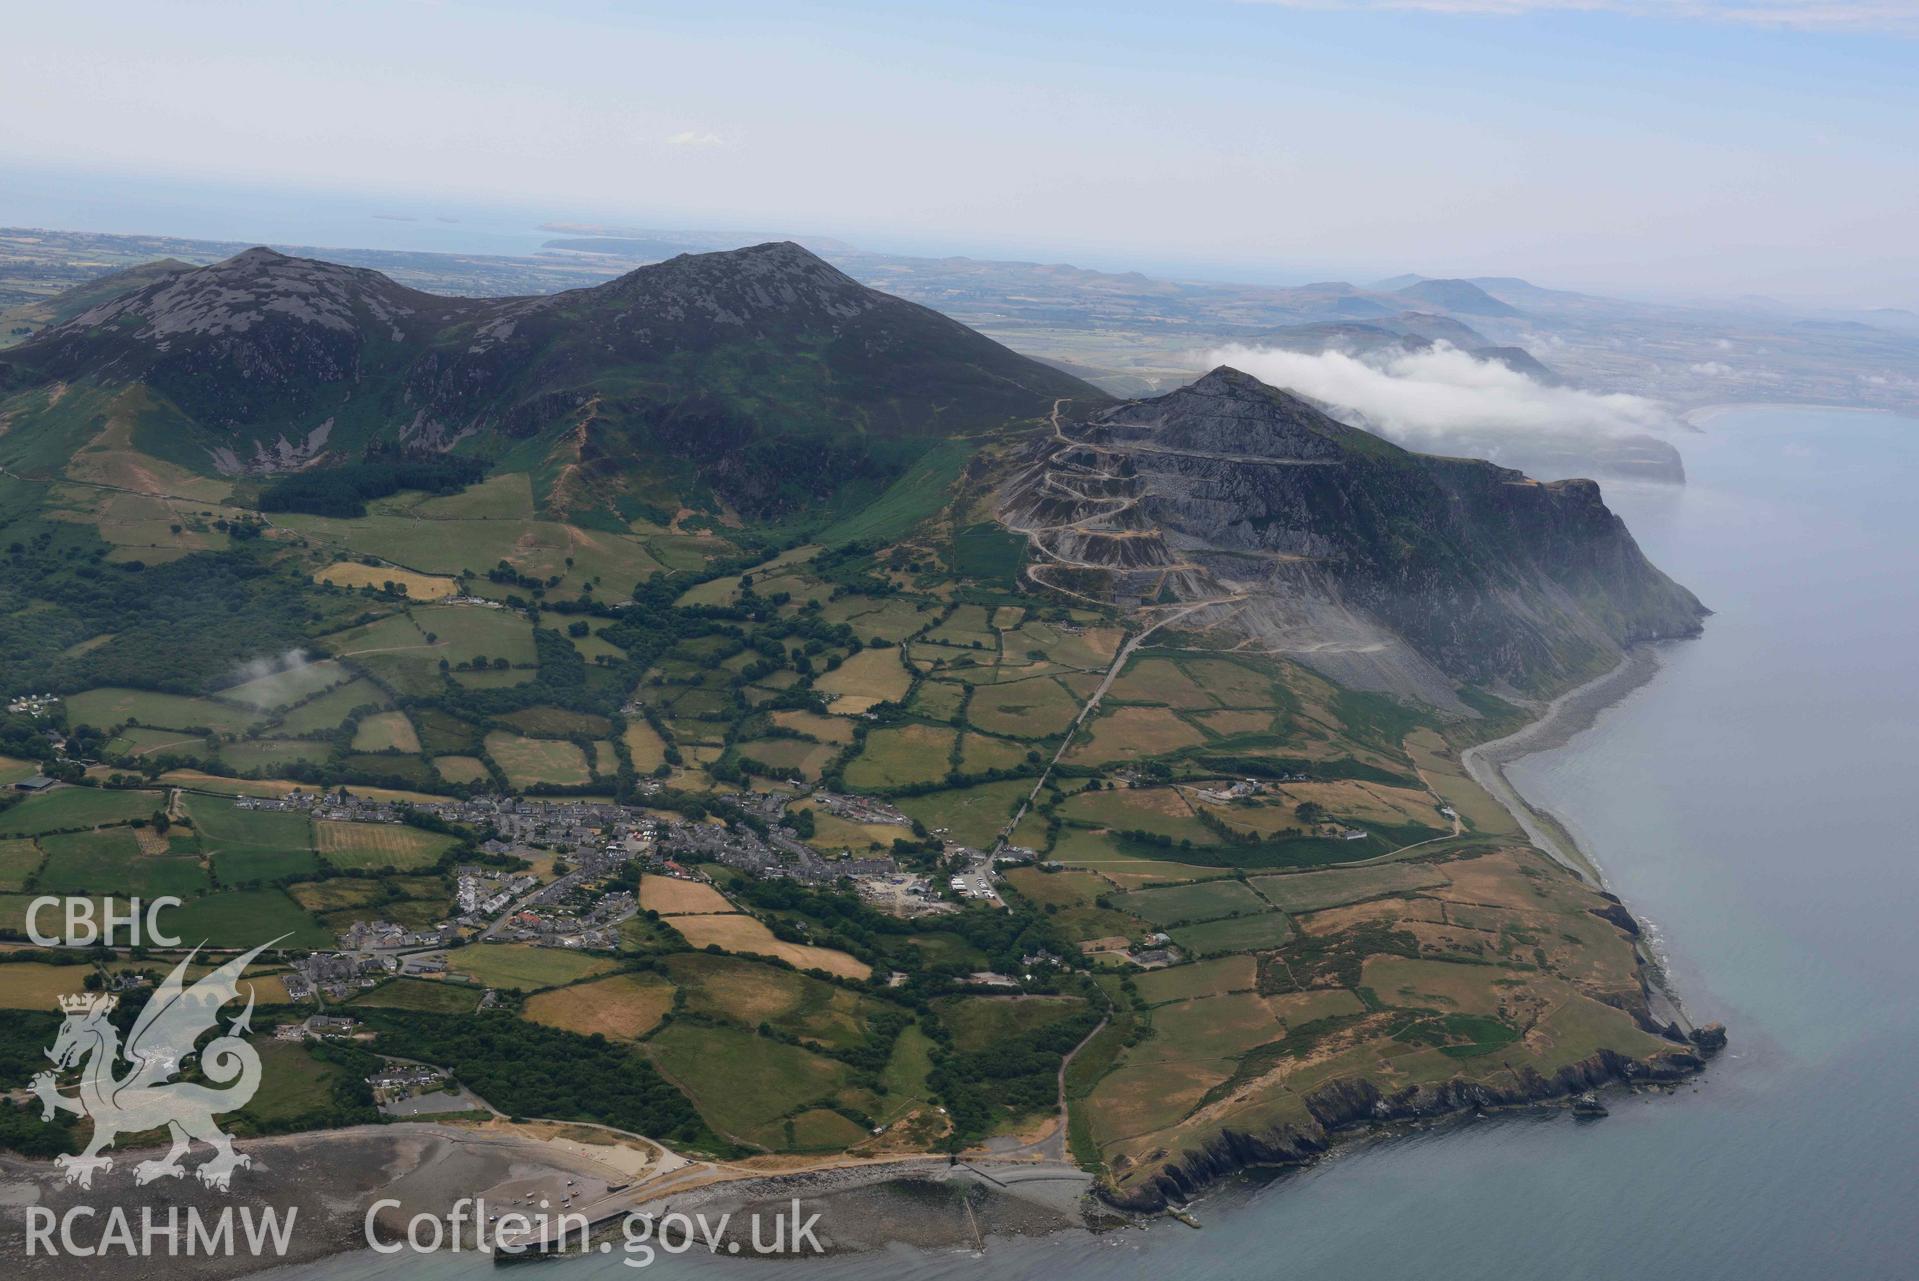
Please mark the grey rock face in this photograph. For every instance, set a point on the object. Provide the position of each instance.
(1309, 538)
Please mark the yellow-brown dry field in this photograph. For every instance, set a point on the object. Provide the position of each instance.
(868, 677)
(623, 1006)
(351, 573)
(737, 933)
(671, 896)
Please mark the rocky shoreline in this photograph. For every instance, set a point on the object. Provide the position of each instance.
(1352, 1110)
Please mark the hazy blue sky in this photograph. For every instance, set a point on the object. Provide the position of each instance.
(1643, 145)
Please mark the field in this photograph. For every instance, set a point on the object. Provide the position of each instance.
(1205, 901)
(252, 845)
(74, 807)
(269, 755)
(519, 965)
(386, 732)
(137, 742)
(625, 1006)
(982, 1022)
(988, 552)
(1159, 680)
(243, 919)
(742, 1084)
(280, 689)
(351, 573)
(1236, 973)
(369, 846)
(429, 995)
(557, 722)
(293, 1083)
(868, 677)
(972, 815)
(1236, 934)
(1034, 708)
(29, 985)
(330, 709)
(1133, 734)
(108, 706)
(790, 756)
(532, 761)
(643, 745)
(1163, 811)
(738, 933)
(671, 896)
(339, 892)
(832, 833)
(1441, 985)
(1442, 772)
(1310, 891)
(19, 857)
(901, 755)
(460, 769)
(249, 866)
(13, 769)
(749, 994)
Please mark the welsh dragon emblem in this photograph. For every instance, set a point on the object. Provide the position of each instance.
(147, 1098)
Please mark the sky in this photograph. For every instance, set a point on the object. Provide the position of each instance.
(1657, 148)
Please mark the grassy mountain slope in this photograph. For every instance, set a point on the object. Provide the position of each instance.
(760, 379)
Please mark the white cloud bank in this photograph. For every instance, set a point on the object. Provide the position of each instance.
(1829, 15)
(1420, 398)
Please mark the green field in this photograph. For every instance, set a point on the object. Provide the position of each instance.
(519, 965)
(385, 732)
(744, 1084)
(1178, 904)
(557, 722)
(136, 742)
(74, 807)
(1237, 934)
(972, 815)
(246, 866)
(748, 994)
(110, 860)
(1202, 978)
(252, 845)
(372, 846)
(266, 756)
(988, 552)
(109, 706)
(293, 1083)
(901, 755)
(460, 769)
(1037, 707)
(19, 858)
(431, 995)
(330, 709)
(1312, 891)
(907, 501)
(528, 762)
(280, 689)
(242, 919)
(982, 1022)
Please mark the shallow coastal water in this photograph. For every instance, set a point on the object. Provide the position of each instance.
(1753, 805)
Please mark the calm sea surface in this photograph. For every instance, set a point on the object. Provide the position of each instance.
(1757, 804)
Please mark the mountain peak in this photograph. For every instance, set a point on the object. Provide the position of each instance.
(1461, 296)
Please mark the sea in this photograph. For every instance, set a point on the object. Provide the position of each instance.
(1756, 804)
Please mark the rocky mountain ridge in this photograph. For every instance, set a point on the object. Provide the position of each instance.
(1296, 534)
